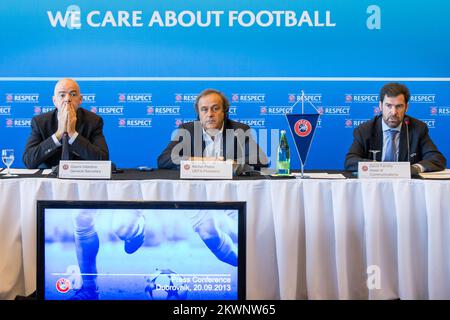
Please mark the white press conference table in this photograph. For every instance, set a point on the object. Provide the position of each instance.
(306, 239)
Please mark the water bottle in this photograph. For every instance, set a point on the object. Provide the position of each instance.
(284, 156)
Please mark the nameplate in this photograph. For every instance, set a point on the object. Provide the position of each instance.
(75, 169)
(396, 170)
(206, 169)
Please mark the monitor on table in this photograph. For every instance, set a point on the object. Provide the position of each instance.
(149, 250)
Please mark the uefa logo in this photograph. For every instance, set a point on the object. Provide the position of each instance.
(376, 111)
(9, 123)
(94, 109)
(63, 285)
(178, 97)
(365, 168)
(302, 128)
(263, 110)
(122, 122)
(186, 167)
(150, 110)
(65, 167)
(122, 97)
(348, 123)
(348, 98)
(433, 111)
(9, 98)
(291, 97)
(37, 110)
(320, 110)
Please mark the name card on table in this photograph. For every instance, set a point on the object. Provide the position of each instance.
(75, 169)
(397, 170)
(206, 169)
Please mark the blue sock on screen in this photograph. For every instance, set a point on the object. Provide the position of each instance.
(87, 245)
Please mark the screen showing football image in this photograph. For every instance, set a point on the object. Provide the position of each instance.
(141, 250)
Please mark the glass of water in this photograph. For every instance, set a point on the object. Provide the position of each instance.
(8, 159)
(374, 154)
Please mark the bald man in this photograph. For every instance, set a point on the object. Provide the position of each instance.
(84, 129)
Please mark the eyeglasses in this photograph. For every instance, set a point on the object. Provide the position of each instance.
(62, 95)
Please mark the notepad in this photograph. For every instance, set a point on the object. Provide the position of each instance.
(20, 171)
(444, 174)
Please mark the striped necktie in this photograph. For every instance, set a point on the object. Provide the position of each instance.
(390, 153)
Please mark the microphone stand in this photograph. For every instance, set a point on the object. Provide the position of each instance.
(302, 165)
(243, 168)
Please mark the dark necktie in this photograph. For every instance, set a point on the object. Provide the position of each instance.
(65, 147)
(391, 150)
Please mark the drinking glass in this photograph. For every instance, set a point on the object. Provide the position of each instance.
(8, 159)
(374, 154)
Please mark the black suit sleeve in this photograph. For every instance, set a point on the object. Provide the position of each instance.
(93, 147)
(358, 150)
(432, 159)
(38, 150)
(180, 148)
(165, 159)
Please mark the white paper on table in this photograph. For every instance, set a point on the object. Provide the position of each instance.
(320, 175)
(444, 174)
(46, 172)
(268, 171)
(20, 171)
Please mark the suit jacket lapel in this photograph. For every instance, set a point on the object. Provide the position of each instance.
(403, 148)
(229, 151)
(54, 122)
(80, 123)
(197, 135)
(224, 141)
(377, 139)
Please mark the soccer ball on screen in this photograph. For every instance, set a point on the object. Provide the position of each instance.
(165, 284)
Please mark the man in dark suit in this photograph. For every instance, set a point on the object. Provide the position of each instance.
(83, 129)
(213, 135)
(396, 136)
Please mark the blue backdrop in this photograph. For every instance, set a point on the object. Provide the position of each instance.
(141, 64)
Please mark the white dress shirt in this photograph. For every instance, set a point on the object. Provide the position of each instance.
(213, 143)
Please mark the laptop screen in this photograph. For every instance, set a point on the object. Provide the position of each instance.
(103, 250)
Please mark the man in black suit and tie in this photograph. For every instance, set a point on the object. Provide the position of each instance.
(396, 136)
(213, 135)
(82, 128)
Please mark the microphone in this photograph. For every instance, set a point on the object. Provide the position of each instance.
(406, 120)
(242, 168)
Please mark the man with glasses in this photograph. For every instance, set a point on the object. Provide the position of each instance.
(82, 128)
